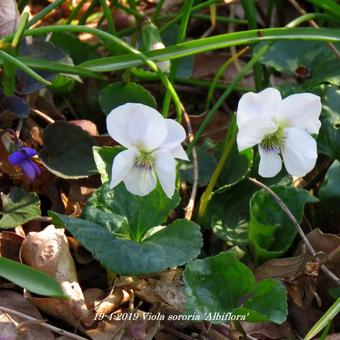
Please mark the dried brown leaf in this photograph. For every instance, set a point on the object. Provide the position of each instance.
(48, 251)
(16, 328)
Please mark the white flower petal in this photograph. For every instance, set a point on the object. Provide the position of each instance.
(179, 153)
(299, 152)
(165, 166)
(302, 111)
(140, 181)
(122, 164)
(253, 132)
(270, 163)
(252, 105)
(175, 134)
(137, 125)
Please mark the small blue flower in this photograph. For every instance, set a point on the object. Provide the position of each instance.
(23, 159)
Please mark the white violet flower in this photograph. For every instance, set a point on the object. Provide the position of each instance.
(152, 143)
(280, 127)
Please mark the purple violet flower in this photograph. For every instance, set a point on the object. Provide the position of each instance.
(23, 159)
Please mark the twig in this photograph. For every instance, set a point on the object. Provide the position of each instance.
(19, 127)
(286, 210)
(312, 23)
(191, 204)
(43, 116)
(44, 324)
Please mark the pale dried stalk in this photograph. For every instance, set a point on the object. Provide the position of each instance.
(43, 116)
(191, 204)
(42, 323)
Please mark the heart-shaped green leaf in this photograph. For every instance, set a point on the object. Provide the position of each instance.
(228, 213)
(120, 93)
(167, 247)
(271, 232)
(221, 284)
(68, 151)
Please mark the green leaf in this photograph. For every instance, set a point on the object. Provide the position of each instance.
(260, 307)
(103, 156)
(171, 246)
(311, 61)
(121, 93)
(228, 213)
(206, 165)
(335, 292)
(329, 191)
(18, 207)
(121, 212)
(271, 232)
(222, 284)
(41, 49)
(68, 151)
(33, 280)
(329, 135)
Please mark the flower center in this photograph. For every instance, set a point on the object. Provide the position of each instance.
(145, 160)
(274, 141)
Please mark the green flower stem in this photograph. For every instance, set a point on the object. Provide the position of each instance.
(138, 16)
(210, 115)
(330, 314)
(44, 12)
(157, 10)
(75, 11)
(193, 9)
(227, 147)
(89, 11)
(20, 30)
(219, 74)
(180, 38)
(108, 16)
(250, 10)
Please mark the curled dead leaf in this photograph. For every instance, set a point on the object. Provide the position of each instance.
(287, 267)
(48, 251)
